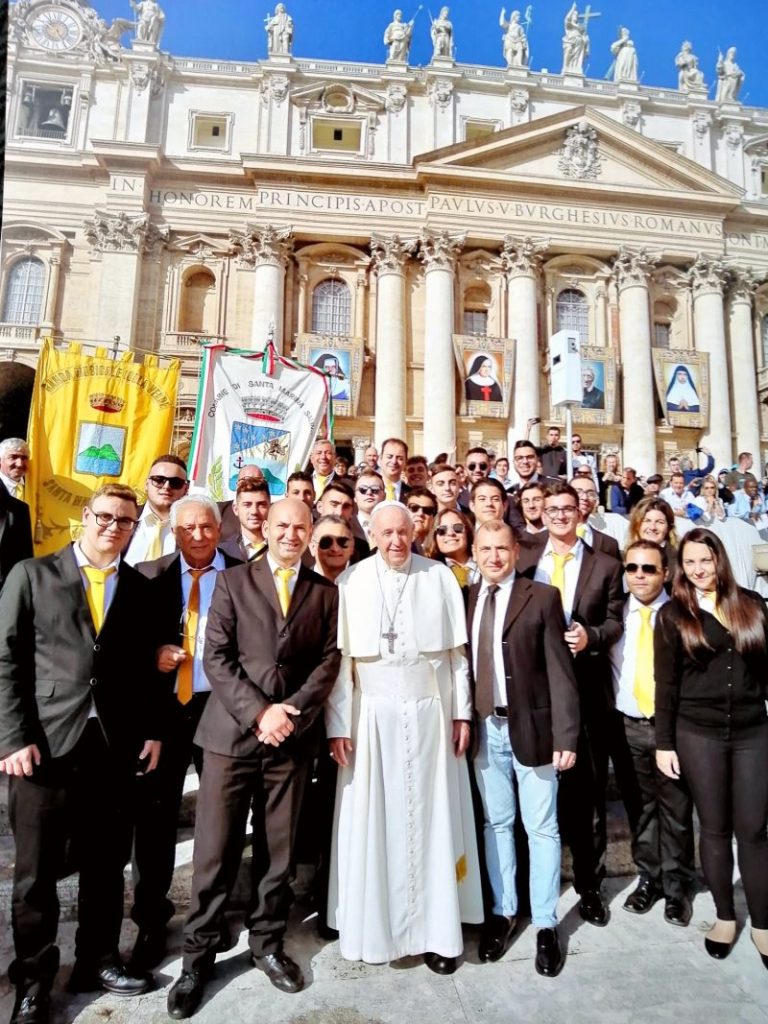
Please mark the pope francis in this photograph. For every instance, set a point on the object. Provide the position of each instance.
(404, 866)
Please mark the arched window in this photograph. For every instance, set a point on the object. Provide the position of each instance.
(331, 307)
(24, 292)
(764, 339)
(197, 312)
(572, 313)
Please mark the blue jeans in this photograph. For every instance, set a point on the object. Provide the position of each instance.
(494, 766)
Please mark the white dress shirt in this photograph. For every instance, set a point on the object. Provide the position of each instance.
(546, 567)
(110, 586)
(503, 595)
(677, 502)
(623, 654)
(142, 538)
(14, 487)
(273, 567)
(207, 581)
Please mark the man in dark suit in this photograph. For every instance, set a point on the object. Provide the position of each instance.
(394, 454)
(250, 509)
(15, 533)
(182, 588)
(79, 715)
(585, 489)
(590, 586)
(271, 659)
(230, 524)
(527, 705)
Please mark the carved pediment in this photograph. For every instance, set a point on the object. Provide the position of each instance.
(200, 246)
(575, 149)
(337, 98)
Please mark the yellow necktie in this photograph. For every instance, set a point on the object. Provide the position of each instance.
(155, 546)
(185, 674)
(715, 609)
(321, 482)
(581, 530)
(389, 489)
(461, 572)
(558, 573)
(643, 689)
(283, 593)
(96, 591)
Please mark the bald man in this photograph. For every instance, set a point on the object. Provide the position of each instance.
(271, 659)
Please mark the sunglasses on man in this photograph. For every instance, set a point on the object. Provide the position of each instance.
(648, 570)
(362, 489)
(174, 482)
(477, 465)
(327, 542)
(428, 510)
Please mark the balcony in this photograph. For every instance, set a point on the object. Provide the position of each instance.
(188, 343)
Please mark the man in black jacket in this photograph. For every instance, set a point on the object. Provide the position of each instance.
(79, 715)
(15, 533)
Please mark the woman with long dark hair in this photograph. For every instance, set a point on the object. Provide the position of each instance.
(711, 666)
(451, 543)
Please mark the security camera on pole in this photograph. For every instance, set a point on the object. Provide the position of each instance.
(565, 380)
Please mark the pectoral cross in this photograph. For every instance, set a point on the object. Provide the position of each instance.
(390, 637)
(486, 393)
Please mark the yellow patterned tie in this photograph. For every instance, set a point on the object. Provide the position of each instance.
(96, 591)
(155, 546)
(461, 572)
(643, 689)
(581, 530)
(558, 573)
(283, 593)
(185, 674)
(389, 489)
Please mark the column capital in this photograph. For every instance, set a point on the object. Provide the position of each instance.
(257, 246)
(522, 257)
(118, 231)
(389, 253)
(631, 267)
(440, 250)
(741, 285)
(708, 276)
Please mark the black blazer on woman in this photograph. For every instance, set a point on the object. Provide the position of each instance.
(722, 690)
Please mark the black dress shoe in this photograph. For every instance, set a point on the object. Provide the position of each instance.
(549, 955)
(718, 950)
(592, 908)
(677, 910)
(496, 938)
(762, 956)
(31, 1007)
(148, 950)
(440, 964)
(186, 994)
(281, 971)
(325, 931)
(643, 898)
(111, 975)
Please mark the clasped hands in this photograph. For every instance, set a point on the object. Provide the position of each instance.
(274, 726)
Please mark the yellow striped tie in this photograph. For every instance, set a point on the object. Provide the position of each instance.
(389, 489)
(283, 593)
(185, 674)
(95, 592)
(643, 689)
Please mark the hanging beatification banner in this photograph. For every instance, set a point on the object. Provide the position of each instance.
(486, 366)
(94, 420)
(255, 408)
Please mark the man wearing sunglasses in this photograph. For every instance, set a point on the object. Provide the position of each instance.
(369, 492)
(153, 537)
(423, 508)
(659, 808)
(332, 546)
(80, 708)
(338, 499)
(591, 590)
(478, 465)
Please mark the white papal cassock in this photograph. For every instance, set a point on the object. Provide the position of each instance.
(404, 866)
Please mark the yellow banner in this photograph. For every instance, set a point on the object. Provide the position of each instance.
(94, 420)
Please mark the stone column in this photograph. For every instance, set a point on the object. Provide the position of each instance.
(388, 256)
(522, 262)
(439, 252)
(631, 270)
(708, 278)
(359, 445)
(267, 250)
(743, 370)
(48, 321)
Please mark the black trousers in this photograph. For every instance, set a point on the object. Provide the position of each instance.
(728, 776)
(157, 801)
(660, 809)
(271, 784)
(83, 796)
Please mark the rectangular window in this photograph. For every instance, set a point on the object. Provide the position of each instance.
(44, 111)
(344, 136)
(210, 131)
(476, 321)
(661, 335)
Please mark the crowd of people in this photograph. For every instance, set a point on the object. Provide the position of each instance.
(388, 668)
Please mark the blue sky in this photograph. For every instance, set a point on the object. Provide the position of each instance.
(340, 29)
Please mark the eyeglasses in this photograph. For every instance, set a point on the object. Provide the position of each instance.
(362, 489)
(106, 519)
(477, 465)
(174, 482)
(428, 510)
(327, 542)
(441, 531)
(557, 513)
(587, 494)
(525, 458)
(645, 568)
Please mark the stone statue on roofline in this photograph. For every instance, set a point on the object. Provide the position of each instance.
(150, 21)
(515, 41)
(690, 77)
(279, 29)
(397, 37)
(730, 77)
